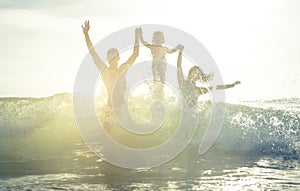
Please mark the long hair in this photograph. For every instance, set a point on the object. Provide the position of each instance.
(196, 74)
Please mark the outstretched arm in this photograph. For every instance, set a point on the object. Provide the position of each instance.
(220, 87)
(134, 55)
(180, 77)
(202, 90)
(145, 43)
(98, 62)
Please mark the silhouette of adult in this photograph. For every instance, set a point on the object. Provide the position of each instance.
(111, 73)
(188, 87)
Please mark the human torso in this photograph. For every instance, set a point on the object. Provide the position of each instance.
(158, 52)
(188, 90)
(110, 77)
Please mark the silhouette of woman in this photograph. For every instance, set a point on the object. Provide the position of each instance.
(188, 87)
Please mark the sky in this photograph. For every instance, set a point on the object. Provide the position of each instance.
(256, 42)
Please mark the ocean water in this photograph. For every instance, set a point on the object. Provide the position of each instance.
(258, 148)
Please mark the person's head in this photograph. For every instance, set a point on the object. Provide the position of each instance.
(158, 38)
(196, 74)
(113, 57)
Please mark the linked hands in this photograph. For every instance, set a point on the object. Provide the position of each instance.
(138, 32)
(180, 48)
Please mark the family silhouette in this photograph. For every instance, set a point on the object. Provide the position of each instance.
(111, 73)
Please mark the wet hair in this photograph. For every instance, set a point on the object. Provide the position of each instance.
(111, 53)
(200, 76)
(158, 38)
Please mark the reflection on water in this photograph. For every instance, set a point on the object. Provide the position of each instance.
(210, 172)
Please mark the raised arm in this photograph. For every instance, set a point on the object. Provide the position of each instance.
(180, 77)
(134, 55)
(145, 43)
(98, 62)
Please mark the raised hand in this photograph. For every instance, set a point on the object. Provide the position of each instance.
(86, 26)
(180, 47)
(137, 33)
(237, 82)
(140, 30)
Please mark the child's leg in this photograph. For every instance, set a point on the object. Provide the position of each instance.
(157, 92)
(162, 72)
(155, 70)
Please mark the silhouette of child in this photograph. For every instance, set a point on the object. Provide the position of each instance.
(158, 52)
